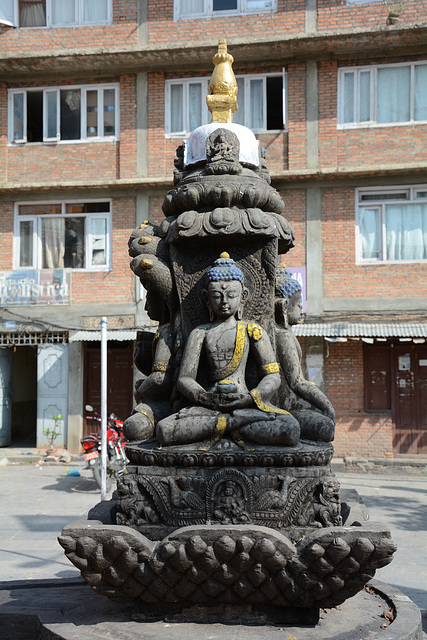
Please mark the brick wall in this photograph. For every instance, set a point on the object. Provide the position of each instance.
(88, 287)
(42, 40)
(41, 163)
(294, 212)
(335, 14)
(357, 433)
(163, 30)
(341, 275)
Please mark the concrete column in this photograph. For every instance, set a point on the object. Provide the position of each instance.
(141, 124)
(314, 257)
(310, 16)
(142, 18)
(312, 111)
(75, 396)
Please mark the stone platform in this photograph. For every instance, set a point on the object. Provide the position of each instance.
(70, 610)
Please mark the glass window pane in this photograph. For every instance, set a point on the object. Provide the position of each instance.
(26, 243)
(239, 115)
(177, 94)
(70, 114)
(32, 14)
(190, 7)
(51, 103)
(18, 116)
(39, 209)
(74, 254)
(95, 10)
(63, 11)
(6, 11)
(91, 114)
(87, 207)
(34, 116)
(224, 5)
(370, 232)
(257, 104)
(364, 96)
(195, 105)
(348, 98)
(53, 243)
(393, 94)
(258, 4)
(109, 112)
(274, 102)
(420, 97)
(406, 229)
(98, 238)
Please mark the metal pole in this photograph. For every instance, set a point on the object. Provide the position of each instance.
(104, 408)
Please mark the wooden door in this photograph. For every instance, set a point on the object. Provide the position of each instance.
(52, 392)
(410, 398)
(6, 356)
(119, 380)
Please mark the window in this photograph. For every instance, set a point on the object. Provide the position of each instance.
(58, 13)
(260, 98)
(209, 8)
(68, 113)
(62, 235)
(382, 95)
(391, 225)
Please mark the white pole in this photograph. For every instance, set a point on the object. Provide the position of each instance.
(104, 408)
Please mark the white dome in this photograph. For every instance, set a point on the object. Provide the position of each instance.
(195, 149)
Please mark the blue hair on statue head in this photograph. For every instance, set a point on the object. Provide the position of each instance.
(224, 269)
(286, 285)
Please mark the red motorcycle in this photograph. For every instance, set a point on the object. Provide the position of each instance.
(116, 457)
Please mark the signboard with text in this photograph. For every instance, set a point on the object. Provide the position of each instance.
(48, 286)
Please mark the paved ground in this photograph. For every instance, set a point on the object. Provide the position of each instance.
(36, 502)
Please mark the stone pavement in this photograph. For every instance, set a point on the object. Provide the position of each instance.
(38, 500)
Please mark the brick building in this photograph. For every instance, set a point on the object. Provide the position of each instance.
(94, 99)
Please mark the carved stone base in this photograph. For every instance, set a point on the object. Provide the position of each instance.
(244, 564)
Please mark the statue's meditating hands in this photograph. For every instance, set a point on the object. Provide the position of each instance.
(212, 374)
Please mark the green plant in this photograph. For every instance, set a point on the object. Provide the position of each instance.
(394, 10)
(51, 435)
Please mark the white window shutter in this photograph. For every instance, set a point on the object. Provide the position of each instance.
(7, 13)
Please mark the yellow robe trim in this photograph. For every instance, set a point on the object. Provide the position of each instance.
(160, 366)
(220, 374)
(220, 426)
(273, 367)
(254, 331)
(266, 407)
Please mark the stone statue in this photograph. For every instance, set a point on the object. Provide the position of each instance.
(234, 499)
(225, 406)
(301, 398)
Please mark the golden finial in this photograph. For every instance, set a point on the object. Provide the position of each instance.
(224, 254)
(222, 98)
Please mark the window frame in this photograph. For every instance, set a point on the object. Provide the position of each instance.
(84, 138)
(79, 14)
(37, 233)
(206, 117)
(372, 122)
(208, 11)
(380, 204)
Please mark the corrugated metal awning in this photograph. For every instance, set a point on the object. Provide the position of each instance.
(361, 329)
(112, 334)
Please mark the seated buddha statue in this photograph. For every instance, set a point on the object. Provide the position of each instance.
(306, 402)
(212, 374)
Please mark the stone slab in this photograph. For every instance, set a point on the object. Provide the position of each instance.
(70, 610)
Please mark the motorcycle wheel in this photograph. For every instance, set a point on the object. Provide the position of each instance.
(96, 469)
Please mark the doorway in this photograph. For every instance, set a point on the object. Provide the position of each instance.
(410, 398)
(119, 380)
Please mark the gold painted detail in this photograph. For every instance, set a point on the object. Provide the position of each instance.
(146, 263)
(146, 414)
(156, 337)
(232, 366)
(160, 366)
(254, 331)
(224, 254)
(144, 240)
(273, 367)
(266, 407)
(222, 98)
(226, 382)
